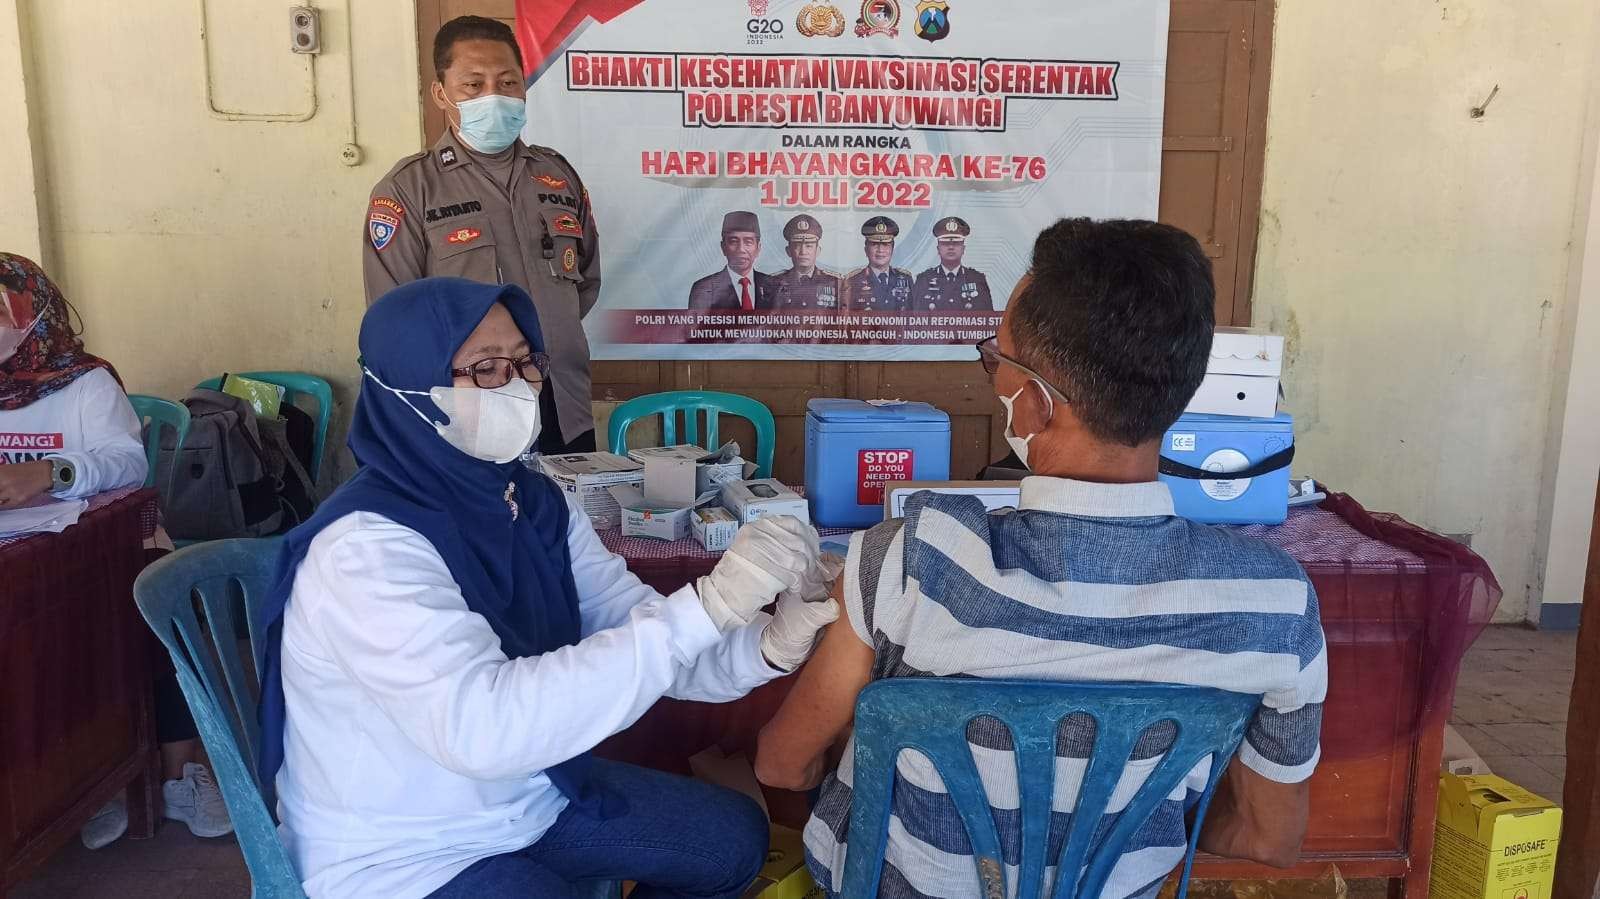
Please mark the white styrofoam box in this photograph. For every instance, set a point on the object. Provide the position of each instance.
(1246, 351)
(1241, 395)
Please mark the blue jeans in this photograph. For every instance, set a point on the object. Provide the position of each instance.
(679, 838)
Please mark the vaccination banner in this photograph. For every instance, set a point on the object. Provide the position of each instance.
(805, 179)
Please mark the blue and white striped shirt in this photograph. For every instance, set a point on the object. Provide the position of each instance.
(1085, 582)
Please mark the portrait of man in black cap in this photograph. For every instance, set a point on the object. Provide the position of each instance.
(806, 286)
(739, 285)
(879, 286)
(950, 285)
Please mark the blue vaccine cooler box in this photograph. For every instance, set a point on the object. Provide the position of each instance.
(854, 447)
(1222, 469)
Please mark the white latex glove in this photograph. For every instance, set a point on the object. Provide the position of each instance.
(802, 613)
(768, 556)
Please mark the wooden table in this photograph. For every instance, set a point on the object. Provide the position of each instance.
(77, 722)
(1372, 805)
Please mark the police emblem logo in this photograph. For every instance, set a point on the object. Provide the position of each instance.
(464, 235)
(951, 226)
(933, 22)
(802, 225)
(447, 156)
(566, 224)
(569, 259)
(879, 17)
(881, 228)
(820, 20)
(383, 220)
(552, 183)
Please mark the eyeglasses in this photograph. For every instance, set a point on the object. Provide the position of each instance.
(990, 356)
(496, 371)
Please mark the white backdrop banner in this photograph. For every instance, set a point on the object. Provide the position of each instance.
(801, 179)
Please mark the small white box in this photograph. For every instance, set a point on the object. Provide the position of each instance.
(643, 517)
(586, 477)
(1246, 351)
(675, 475)
(1240, 395)
(749, 500)
(714, 528)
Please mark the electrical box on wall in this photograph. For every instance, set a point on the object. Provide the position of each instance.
(305, 30)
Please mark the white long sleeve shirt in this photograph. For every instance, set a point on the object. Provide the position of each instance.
(89, 423)
(414, 747)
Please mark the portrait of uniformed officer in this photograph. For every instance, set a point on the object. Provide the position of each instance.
(739, 285)
(879, 286)
(951, 285)
(806, 286)
(480, 204)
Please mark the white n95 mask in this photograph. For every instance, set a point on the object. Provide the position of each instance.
(1019, 445)
(11, 338)
(498, 425)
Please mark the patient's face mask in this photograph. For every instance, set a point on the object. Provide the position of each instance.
(11, 338)
(498, 425)
(1019, 445)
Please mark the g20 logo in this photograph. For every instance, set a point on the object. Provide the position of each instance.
(773, 27)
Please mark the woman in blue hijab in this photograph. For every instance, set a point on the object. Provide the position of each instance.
(449, 639)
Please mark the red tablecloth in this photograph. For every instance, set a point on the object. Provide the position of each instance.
(148, 516)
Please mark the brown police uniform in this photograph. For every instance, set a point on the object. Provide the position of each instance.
(519, 218)
(964, 289)
(819, 291)
(868, 291)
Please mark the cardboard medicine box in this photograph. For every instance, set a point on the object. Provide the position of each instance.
(1242, 375)
(682, 472)
(749, 500)
(1493, 840)
(588, 478)
(643, 516)
(714, 528)
(785, 875)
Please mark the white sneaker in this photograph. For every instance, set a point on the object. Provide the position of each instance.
(108, 824)
(196, 801)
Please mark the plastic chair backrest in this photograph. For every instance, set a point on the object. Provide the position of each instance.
(296, 384)
(221, 693)
(159, 412)
(691, 403)
(931, 715)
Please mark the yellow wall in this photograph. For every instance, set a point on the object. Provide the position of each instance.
(191, 244)
(1417, 258)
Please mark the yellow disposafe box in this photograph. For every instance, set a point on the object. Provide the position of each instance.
(784, 876)
(1493, 840)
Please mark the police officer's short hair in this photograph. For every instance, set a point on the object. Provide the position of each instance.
(470, 28)
(1120, 315)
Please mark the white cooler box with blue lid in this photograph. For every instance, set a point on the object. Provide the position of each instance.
(1227, 470)
(854, 447)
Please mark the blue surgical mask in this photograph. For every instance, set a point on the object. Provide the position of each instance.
(492, 122)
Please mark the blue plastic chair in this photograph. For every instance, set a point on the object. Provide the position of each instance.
(156, 413)
(931, 715)
(296, 384)
(221, 694)
(691, 403)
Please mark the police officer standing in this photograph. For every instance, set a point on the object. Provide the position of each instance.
(879, 286)
(806, 286)
(481, 204)
(951, 285)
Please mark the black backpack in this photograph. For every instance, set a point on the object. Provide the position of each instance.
(236, 476)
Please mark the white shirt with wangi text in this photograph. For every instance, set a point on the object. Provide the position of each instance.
(89, 423)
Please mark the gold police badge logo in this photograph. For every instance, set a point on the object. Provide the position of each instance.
(879, 17)
(820, 20)
(933, 20)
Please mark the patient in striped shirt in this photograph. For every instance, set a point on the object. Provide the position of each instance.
(1091, 578)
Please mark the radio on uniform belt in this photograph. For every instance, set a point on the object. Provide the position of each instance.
(854, 447)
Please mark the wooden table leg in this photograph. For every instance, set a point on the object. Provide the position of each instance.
(144, 798)
(1578, 858)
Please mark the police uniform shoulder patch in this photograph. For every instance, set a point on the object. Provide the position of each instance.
(567, 224)
(447, 155)
(552, 183)
(384, 215)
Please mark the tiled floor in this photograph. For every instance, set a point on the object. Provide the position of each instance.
(1511, 705)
